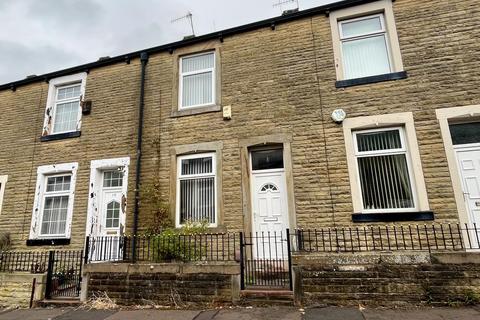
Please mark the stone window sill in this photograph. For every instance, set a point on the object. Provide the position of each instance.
(48, 242)
(373, 79)
(194, 111)
(60, 136)
(393, 217)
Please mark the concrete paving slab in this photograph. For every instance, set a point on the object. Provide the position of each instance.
(422, 314)
(333, 313)
(81, 314)
(154, 314)
(270, 313)
(207, 314)
(32, 314)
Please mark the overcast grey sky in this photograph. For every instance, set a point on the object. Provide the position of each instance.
(39, 36)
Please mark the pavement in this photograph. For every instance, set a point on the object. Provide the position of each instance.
(248, 313)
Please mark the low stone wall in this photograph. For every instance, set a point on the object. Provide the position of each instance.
(16, 289)
(387, 278)
(173, 284)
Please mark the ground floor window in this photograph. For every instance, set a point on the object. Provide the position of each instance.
(383, 169)
(196, 189)
(53, 206)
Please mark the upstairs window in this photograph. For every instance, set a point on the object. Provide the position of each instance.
(3, 183)
(364, 46)
(196, 189)
(67, 110)
(64, 113)
(197, 80)
(384, 170)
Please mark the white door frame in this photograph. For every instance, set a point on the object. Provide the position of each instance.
(462, 148)
(96, 174)
(266, 171)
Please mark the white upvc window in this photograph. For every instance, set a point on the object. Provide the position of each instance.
(197, 80)
(196, 189)
(364, 46)
(53, 204)
(3, 183)
(64, 112)
(384, 170)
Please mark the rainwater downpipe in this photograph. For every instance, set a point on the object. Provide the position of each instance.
(141, 106)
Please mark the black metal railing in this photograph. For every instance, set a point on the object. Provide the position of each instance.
(23, 261)
(428, 237)
(163, 247)
(64, 274)
(265, 260)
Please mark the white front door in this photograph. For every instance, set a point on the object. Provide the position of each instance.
(111, 209)
(469, 165)
(270, 214)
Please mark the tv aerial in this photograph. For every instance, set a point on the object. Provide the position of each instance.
(282, 3)
(189, 18)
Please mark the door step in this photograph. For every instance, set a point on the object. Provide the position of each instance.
(266, 297)
(63, 302)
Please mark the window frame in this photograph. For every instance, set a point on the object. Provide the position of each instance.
(62, 101)
(53, 194)
(3, 184)
(43, 173)
(52, 102)
(363, 36)
(181, 177)
(366, 154)
(360, 12)
(184, 74)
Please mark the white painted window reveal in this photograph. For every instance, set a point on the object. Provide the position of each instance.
(196, 189)
(384, 170)
(197, 80)
(63, 113)
(3, 184)
(53, 204)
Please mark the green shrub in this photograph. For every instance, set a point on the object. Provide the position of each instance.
(182, 244)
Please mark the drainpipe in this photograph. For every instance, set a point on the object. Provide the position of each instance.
(144, 60)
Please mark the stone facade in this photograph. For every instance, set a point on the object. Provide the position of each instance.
(278, 82)
(16, 289)
(388, 279)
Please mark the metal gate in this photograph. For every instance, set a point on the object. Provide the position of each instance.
(64, 274)
(266, 261)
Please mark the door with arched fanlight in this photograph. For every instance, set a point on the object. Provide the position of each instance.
(111, 210)
(269, 203)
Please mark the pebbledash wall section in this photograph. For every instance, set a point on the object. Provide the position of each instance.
(279, 83)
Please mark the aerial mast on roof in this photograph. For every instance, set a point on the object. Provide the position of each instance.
(189, 17)
(281, 3)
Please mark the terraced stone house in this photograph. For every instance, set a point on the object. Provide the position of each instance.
(357, 112)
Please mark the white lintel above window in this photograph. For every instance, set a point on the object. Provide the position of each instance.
(63, 113)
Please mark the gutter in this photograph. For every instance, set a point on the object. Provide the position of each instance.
(141, 107)
(170, 47)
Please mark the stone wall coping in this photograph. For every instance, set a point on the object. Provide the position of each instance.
(362, 258)
(456, 257)
(223, 267)
(22, 277)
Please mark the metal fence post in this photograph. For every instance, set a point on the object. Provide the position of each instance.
(51, 260)
(242, 266)
(87, 249)
(289, 260)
